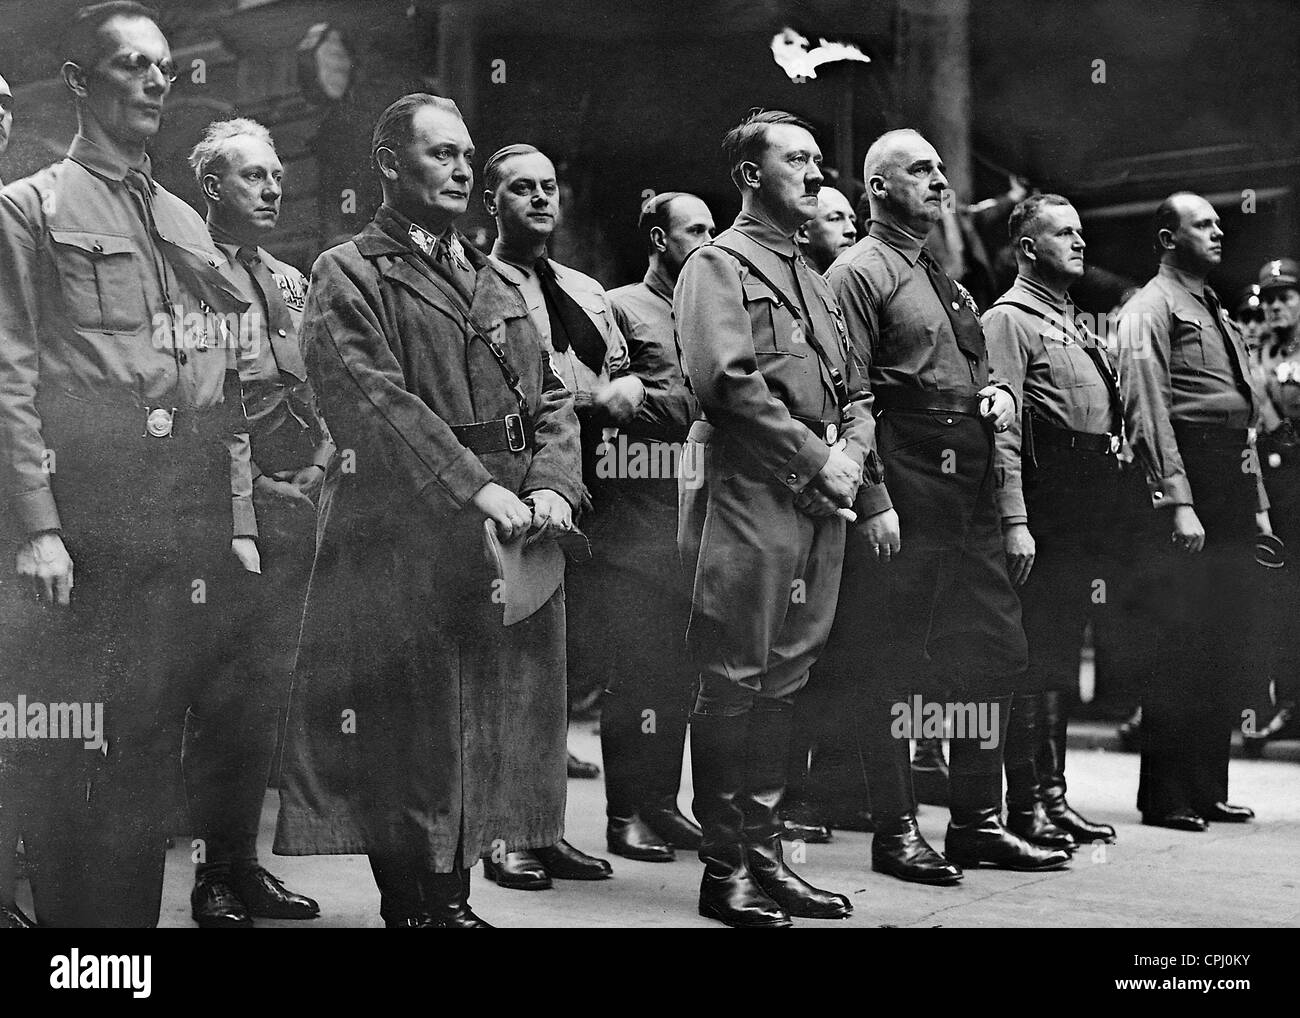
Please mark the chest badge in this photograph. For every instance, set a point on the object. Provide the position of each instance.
(796, 333)
(293, 291)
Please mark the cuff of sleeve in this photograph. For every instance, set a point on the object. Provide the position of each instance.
(243, 516)
(872, 499)
(463, 478)
(1170, 491)
(1011, 505)
(804, 465)
(35, 511)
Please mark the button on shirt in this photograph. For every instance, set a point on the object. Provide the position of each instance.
(115, 324)
(899, 325)
(1045, 364)
(1176, 364)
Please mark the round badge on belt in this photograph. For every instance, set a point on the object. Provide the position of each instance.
(832, 434)
(159, 423)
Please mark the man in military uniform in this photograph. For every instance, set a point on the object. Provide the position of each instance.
(829, 233)
(1186, 375)
(787, 428)
(120, 419)
(423, 730)
(941, 614)
(231, 735)
(1059, 492)
(644, 599)
(589, 355)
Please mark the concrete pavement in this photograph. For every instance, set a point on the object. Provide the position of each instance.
(1233, 875)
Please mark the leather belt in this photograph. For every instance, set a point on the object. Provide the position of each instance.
(922, 400)
(124, 421)
(1082, 441)
(510, 433)
(1211, 435)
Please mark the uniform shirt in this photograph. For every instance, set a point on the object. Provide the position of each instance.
(749, 362)
(1175, 365)
(897, 321)
(644, 314)
(90, 307)
(591, 297)
(1048, 370)
(1280, 376)
(282, 418)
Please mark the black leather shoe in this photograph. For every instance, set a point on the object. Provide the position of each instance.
(632, 838)
(1081, 829)
(1178, 820)
(792, 894)
(263, 895)
(519, 871)
(667, 821)
(799, 822)
(447, 899)
(1225, 813)
(564, 862)
(981, 840)
(582, 769)
(215, 906)
(1037, 828)
(905, 854)
(731, 895)
(13, 918)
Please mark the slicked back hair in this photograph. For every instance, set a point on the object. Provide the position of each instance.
(492, 173)
(747, 141)
(393, 128)
(657, 211)
(210, 154)
(1025, 216)
(83, 45)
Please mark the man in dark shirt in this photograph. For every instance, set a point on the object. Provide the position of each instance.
(1185, 370)
(1060, 492)
(644, 600)
(926, 604)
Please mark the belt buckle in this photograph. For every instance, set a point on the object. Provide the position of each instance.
(159, 422)
(832, 434)
(516, 439)
(1114, 445)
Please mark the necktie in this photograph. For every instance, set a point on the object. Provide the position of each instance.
(1211, 300)
(570, 325)
(966, 328)
(279, 323)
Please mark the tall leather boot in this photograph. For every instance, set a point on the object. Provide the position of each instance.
(898, 849)
(627, 781)
(930, 773)
(767, 746)
(1051, 770)
(729, 892)
(447, 901)
(1025, 813)
(976, 836)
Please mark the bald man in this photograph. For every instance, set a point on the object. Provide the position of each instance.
(925, 602)
(1185, 370)
(829, 233)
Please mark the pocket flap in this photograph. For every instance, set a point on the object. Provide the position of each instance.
(96, 245)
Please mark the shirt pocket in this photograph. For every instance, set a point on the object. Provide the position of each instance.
(777, 332)
(101, 277)
(1061, 364)
(1187, 339)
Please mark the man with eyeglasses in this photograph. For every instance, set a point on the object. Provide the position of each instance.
(126, 460)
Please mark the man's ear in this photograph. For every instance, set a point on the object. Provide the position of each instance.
(658, 238)
(386, 160)
(1165, 238)
(1026, 245)
(490, 203)
(876, 186)
(75, 78)
(211, 186)
(801, 234)
(750, 174)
